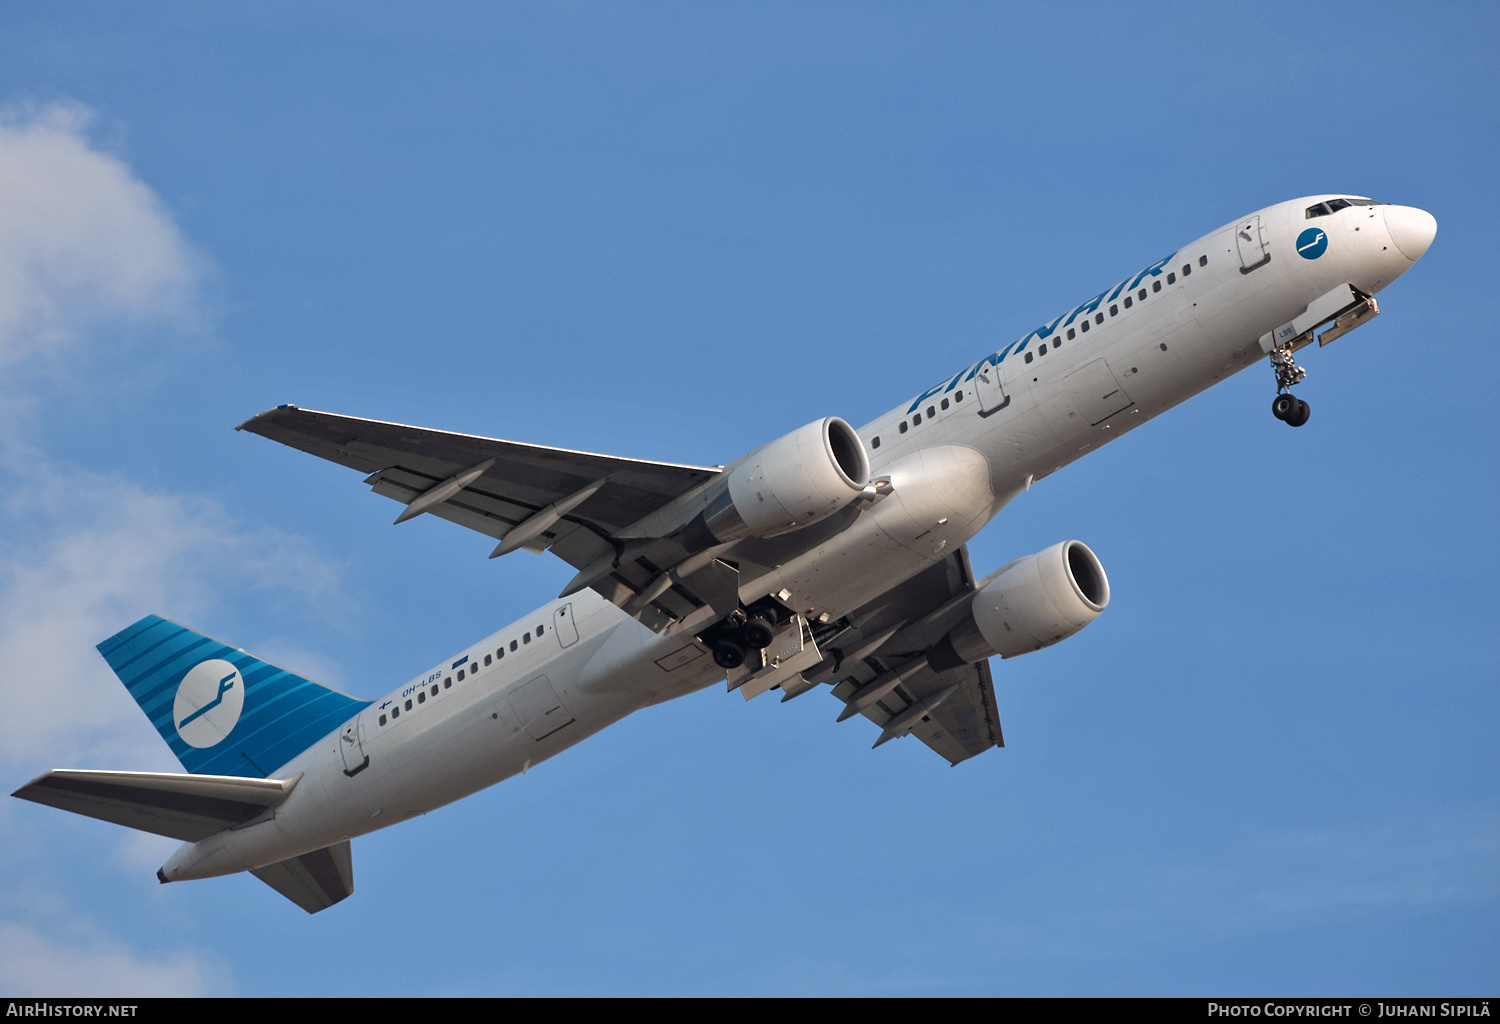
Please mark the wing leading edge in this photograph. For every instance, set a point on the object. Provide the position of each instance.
(570, 502)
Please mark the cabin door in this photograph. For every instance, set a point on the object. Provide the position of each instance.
(564, 627)
(352, 746)
(1252, 244)
(989, 386)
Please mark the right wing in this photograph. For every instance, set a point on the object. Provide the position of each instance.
(954, 711)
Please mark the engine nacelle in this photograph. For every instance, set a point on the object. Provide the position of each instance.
(792, 482)
(1037, 601)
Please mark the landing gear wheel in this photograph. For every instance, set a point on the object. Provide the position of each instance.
(1285, 407)
(1301, 414)
(758, 633)
(728, 654)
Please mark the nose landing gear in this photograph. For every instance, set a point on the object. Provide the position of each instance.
(1290, 409)
(1287, 407)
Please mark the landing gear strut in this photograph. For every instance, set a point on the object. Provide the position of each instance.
(1287, 407)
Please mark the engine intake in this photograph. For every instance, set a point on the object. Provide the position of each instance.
(1037, 601)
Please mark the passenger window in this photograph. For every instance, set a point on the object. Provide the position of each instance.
(539, 631)
(447, 684)
(422, 697)
(1202, 261)
(1187, 268)
(1115, 310)
(395, 712)
(958, 396)
(1057, 343)
(514, 645)
(1084, 326)
(1098, 318)
(1156, 286)
(450, 680)
(1072, 334)
(382, 719)
(486, 661)
(1043, 350)
(460, 675)
(1028, 357)
(1171, 279)
(875, 443)
(500, 653)
(525, 638)
(945, 403)
(931, 412)
(1128, 302)
(903, 426)
(434, 689)
(408, 705)
(916, 420)
(1141, 295)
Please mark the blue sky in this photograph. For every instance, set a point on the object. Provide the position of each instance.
(677, 231)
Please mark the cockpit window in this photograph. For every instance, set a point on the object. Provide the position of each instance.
(1335, 205)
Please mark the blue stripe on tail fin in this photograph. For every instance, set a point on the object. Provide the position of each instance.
(222, 711)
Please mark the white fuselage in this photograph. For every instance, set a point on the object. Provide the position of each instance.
(953, 463)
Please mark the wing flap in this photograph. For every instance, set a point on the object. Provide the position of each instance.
(186, 807)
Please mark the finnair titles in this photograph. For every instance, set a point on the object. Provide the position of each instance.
(831, 557)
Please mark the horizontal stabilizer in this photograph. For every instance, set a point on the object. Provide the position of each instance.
(314, 881)
(186, 807)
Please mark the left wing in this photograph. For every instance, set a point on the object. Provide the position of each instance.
(523, 495)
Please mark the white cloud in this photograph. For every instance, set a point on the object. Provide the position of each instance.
(85, 248)
(83, 243)
(99, 553)
(88, 254)
(34, 964)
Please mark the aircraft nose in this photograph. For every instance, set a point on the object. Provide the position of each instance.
(1411, 229)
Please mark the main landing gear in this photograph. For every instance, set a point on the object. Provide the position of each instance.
(1287, 407)
(739, 633)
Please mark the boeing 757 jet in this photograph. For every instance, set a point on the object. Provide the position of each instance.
(832, 557)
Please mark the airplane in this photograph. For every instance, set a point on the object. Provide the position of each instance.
(829, 556)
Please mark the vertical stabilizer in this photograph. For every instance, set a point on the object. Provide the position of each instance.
(222, 711)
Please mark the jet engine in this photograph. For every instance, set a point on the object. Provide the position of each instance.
(792, 482)
(1035, 602)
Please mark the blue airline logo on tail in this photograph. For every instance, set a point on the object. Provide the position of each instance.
(208, 703)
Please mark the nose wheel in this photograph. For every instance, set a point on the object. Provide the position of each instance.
(1290, 409)
(1287, 407)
